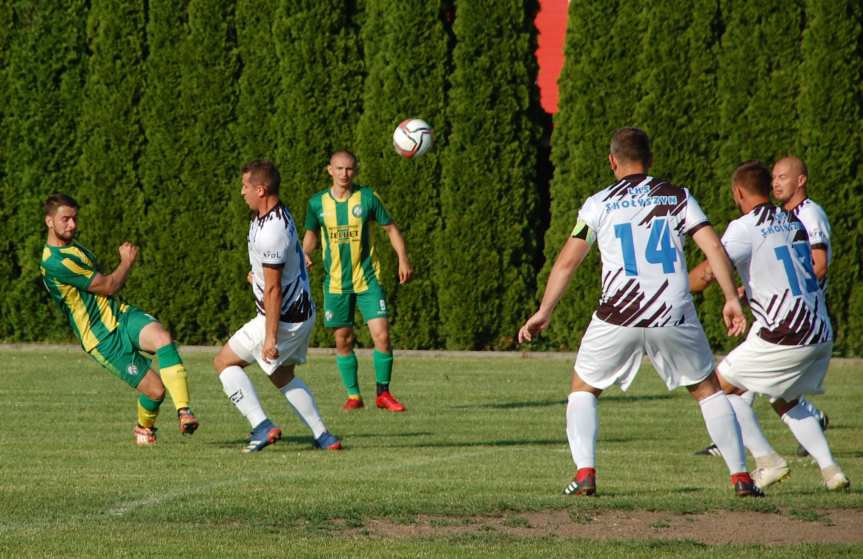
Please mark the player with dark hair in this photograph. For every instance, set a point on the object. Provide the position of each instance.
(110, 331)
(790, 178)
(343, 215)
(788, 349)
(278, 337)
(640, 223)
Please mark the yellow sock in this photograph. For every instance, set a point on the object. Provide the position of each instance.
(146, 418)
(176, 381)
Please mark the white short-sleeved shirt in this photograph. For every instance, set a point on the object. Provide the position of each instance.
(274, 242)
(814, 219)
(640, 224)
(771, 251)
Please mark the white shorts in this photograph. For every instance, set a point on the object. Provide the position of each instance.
(611, 354)
(778, 371)
(293, 342)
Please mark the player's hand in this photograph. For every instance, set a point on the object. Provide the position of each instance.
(732, 314)
(406, 271)
(128, 253)
(250, 277)
(308, 260)
(269, 351)
(534, 325)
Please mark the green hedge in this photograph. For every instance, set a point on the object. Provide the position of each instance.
(146, 110)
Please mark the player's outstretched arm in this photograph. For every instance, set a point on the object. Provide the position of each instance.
(570, 258)
(732, 313)
(399, 245)
(110, 284)
(310, 243)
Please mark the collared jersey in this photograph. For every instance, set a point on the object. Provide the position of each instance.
(640, 224)
(347, 238)
(814, 219)
(274, 243)
(67, 273)
(771, 251)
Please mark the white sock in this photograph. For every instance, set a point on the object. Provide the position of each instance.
(301, 399)
(582, 428)
(811, 407)
(750, 429)
(241, 392)
(723, 428)
(808, 432)
(748, 397)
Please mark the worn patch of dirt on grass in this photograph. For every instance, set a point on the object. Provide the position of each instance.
(716, 527)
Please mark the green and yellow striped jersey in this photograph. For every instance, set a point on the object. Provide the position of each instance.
(347, 238)
(67, 273)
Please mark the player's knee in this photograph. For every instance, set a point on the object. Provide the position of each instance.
(155, 392)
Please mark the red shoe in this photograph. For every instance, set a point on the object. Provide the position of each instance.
(387, 401)
(353, 404)
(144, 436)
(584, 483)
(188, 422)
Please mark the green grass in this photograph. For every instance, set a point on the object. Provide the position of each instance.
(482, 437)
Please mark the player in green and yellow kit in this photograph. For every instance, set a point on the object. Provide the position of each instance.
(343, 214)
(110, 331)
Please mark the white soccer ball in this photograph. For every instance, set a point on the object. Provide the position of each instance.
(412, 137)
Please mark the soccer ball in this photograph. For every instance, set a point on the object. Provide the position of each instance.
(412, 137)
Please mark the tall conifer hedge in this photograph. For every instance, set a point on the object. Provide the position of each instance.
(406, 78)
(489, 243)
(46, 72)
(319, 105)
(831, 143)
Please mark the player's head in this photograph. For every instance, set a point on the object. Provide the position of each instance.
(261, 181)
(61, 218)
(630, 150)
(342, 168)
(790, 176)
(750, 185)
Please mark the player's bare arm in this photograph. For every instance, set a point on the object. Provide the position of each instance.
(819, 262)
(110, 284)
(406, 271)
(310, 244)
(700, 277)
(732, 312)
(568, 260)
(272, 310)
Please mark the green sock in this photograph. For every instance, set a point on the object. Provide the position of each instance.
(383, 367)
(347, 365)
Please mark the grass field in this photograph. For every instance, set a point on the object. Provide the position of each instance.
(472, 468)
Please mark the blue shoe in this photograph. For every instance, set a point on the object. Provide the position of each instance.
(262, 436)
(328, 441)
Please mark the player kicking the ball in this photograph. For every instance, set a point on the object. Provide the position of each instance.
(640, 224)
(110, 331)
(787, 352)
(277, 338)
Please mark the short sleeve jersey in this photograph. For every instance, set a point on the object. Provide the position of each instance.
(274, 243)
(771, 251)
(347, 238)
(67, 273)
(817, 226)
(640, 224)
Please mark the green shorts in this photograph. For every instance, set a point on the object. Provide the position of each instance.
(339, 307)
(119, 351)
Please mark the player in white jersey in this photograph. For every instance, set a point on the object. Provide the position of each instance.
(788, 349)
(789, 182)
(640, 224)
(277, 338)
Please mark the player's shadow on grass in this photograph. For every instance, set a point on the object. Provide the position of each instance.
(512, 405)
(626, 398)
